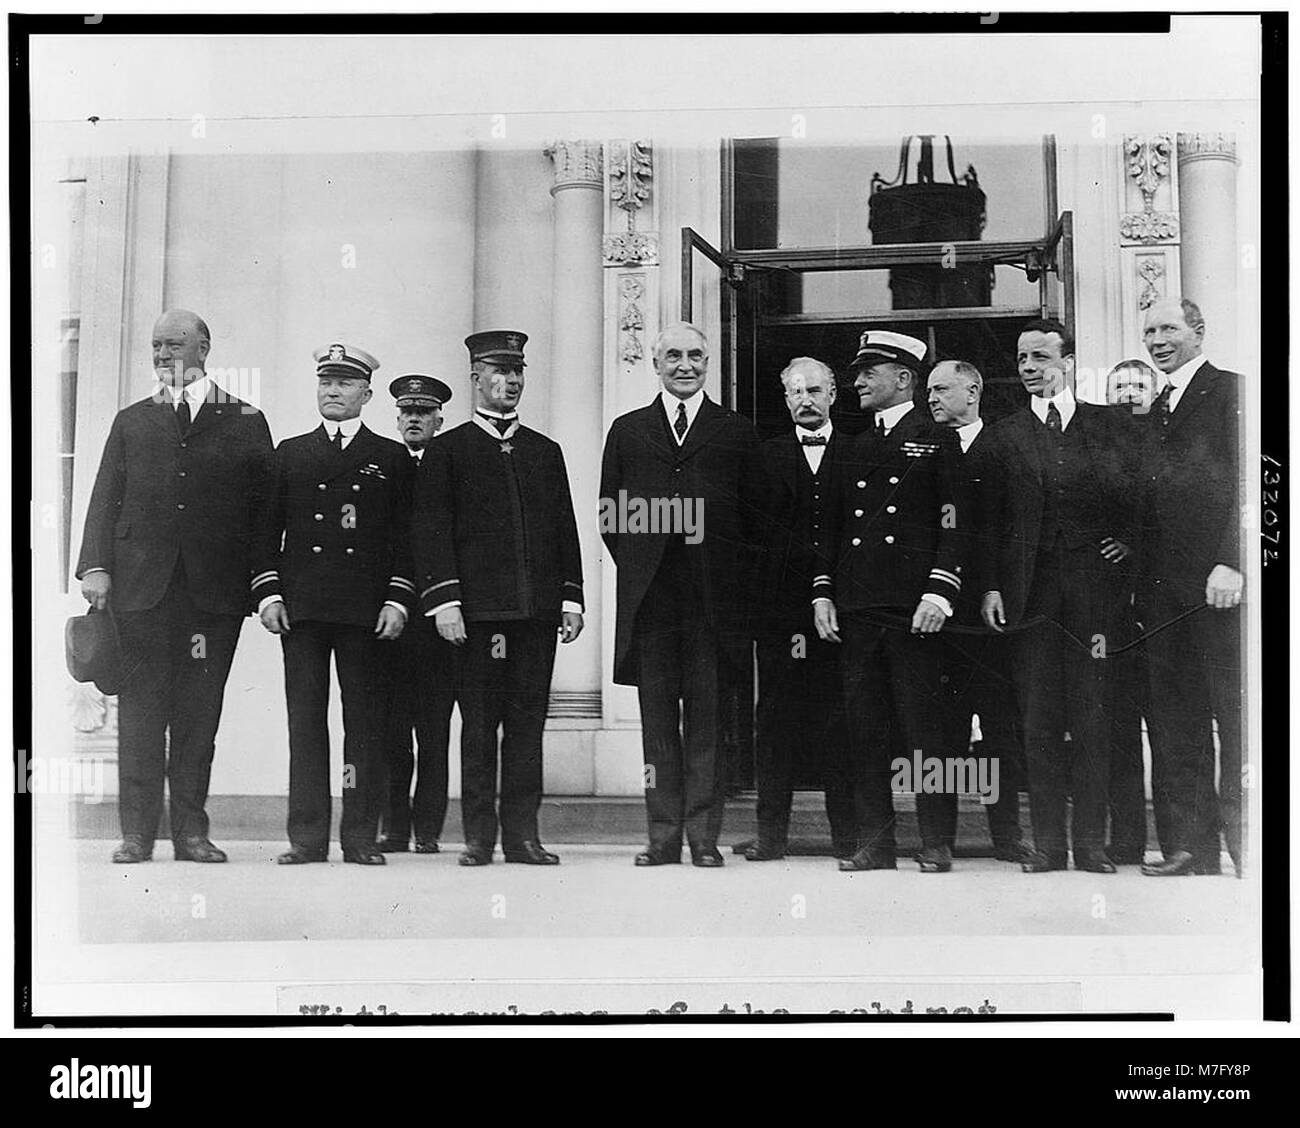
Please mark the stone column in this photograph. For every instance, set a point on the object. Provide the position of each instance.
(576, 378)
(1207, 199)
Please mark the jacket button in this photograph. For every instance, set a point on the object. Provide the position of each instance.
(889, 540)
(857, 541)
(349, 551)
(321, 486)
(355, 486)
(184, 445)
(180, 473)
(320, 516)
(315, 548)
(891, 509)
(863, 485)
(857, 513)
(893, 481)
(180, 505)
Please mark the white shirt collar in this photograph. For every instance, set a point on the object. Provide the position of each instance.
(349, 427)
(196, 392)
(692, 403)
(1182, 376)
(825, 429)
(417, 453)
(892, 414)
(1064, 400)
(490, 429)
(967, 433)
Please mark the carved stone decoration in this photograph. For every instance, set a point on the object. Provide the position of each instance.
(631, 169)
(1151, 280)
(1147, 159)
(1149, 227)
(90, 710)
(578, 164)
(631, 320)
(1207, 146)
(631, 248)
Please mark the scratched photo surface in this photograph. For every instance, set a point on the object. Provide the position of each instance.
(831, 461)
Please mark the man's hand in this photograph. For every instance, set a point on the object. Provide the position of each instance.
(1114, 550)
(927, 618)
(275, 618)
(95, 588)
(825, 620)
(570, 625)
(451, 625)
(992, 611)
(1222, 589)
(390, 622)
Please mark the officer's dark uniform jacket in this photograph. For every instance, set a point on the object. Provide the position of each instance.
(493, 525)
(893, 523)
(333, 535)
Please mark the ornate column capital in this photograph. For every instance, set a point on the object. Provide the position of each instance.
(631, 170)
(1146, 166)
(1207, 146)
(578, 164)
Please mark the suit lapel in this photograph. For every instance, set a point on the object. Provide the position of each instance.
(163, 415)
(707, 421)
(789, 455)
(1193, 395)
(215, 407)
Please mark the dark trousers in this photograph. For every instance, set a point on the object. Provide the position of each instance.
(977, 679)
(678, 689)
(1195, 669)
(505, 683)
(423, 696)
(178, 659)
(1128, 705)
(800, 719)
(1065, 688)
(893, 706)
(363, 664)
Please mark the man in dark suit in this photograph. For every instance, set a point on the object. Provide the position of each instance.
(684, 584)
(976, 663)
(424, 691)
(1060, 519)
(897, 574)
(333, 577)
(500, 566)
(1132, 384)
(800, 712)
(1191, 594)
(166, 549)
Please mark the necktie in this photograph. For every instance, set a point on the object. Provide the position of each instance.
(183, 413)
(1053, 419)
(813, 440)
(880, 428)
(1160, 405)
(680, 424)
(336, 440)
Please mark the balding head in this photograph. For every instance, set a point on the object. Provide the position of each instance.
(180, 347)
(953, 393)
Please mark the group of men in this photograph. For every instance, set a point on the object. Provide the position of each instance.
(895, 583)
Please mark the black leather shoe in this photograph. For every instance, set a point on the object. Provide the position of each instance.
(1039, 862)
(367, 855)
(868, 859)
(1093, 861)
(706, 857)
(765, 850)
(842, 847)
(197, 849)
(652, 857)
(531, 853)
(301, 856)
(475, 856)
(387, 845)
(935, 859)
(427, 846)
(1018, 851)
(133, 849)
(1177, 864)
(1126, 855)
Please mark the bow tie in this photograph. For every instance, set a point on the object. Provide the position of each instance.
(813, 440)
